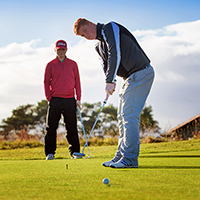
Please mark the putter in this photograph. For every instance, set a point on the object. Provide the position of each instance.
(80, 116)
(104, 102)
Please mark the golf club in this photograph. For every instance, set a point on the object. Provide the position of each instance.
(86, 139)
(81, 119)
(86, 143)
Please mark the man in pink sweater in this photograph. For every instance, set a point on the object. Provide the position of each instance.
(61, 86)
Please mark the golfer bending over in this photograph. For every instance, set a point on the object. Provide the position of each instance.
(61, 84)
(122, 56)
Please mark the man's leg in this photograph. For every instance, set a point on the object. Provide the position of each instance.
(52, 121)
(69, 113)
(133, 96)
(118, 154)
(120, 124)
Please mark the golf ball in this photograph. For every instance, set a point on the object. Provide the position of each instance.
(105, 181)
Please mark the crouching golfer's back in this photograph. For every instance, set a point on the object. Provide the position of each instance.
(122, 55)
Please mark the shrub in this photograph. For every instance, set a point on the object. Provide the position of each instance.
(151, 139)
(19, 144)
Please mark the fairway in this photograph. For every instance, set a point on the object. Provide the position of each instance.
(163, 173)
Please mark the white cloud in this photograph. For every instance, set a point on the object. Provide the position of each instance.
(175, 54)
(21, 77)
(173, 50)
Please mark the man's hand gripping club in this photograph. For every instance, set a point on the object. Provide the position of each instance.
(109, 89)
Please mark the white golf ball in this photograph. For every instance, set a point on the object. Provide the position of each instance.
(105, 181)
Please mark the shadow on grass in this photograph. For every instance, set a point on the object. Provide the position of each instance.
(44, 158)
(56, 158)
(158, 167)
(169, 156)
(168, 167)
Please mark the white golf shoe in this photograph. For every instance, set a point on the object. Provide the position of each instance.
(108, 163)
(123, 164)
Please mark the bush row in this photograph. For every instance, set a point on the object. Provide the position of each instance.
(92, 142)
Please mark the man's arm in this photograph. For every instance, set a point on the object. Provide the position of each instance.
(111, 35)
(47, 83)
(77, 86)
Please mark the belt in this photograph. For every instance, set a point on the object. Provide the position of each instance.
(142, 68)
(137, 70)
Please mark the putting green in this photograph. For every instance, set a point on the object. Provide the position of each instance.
(162, 174)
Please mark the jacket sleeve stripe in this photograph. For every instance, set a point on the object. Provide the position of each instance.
(116, 33)
(117, 41)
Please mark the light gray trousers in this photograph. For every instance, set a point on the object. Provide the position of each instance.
(132, 97)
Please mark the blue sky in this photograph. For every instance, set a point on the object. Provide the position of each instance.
(24, 20)
(166, 29)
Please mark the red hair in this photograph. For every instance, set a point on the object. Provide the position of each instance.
(80, 22)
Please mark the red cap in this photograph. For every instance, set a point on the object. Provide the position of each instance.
(61, 44)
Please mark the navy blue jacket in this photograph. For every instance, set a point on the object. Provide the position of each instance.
(119, 50)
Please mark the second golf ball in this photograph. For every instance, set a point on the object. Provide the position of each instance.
(105, 181)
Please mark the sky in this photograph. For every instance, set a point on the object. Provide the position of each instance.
(167, 30)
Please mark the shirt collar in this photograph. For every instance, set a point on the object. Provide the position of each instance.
(99, 28)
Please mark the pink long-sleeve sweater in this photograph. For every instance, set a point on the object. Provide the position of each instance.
(62, 79)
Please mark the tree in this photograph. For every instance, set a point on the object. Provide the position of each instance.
(41, 111)
(89, 113)
(111, 113)
(107, 119)
(26, 116)
(23, 116)
(147, 122)
(110, 120)
(30, 116)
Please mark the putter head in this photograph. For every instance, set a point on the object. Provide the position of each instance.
(77, 155)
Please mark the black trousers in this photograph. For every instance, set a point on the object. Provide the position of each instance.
(57, 107)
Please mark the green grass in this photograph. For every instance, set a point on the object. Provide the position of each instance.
(166, 171)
